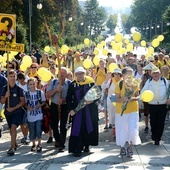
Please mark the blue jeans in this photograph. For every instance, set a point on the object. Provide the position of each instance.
(35, 129)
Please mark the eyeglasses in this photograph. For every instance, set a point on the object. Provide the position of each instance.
(33, 67)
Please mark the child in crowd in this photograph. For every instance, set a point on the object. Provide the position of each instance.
(35, 100)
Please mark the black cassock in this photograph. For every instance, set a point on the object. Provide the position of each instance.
(84, 130)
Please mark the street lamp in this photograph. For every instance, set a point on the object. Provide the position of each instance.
(30, 15)
(39, 6)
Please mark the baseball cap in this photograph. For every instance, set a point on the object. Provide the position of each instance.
(80, 69)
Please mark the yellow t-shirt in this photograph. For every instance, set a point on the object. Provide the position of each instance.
(78, 64)
(32, 75)
(101, 77)
(131, 106)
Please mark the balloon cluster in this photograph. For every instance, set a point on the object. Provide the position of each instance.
(26, 62)
(44, 74)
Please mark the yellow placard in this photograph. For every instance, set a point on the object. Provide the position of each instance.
(16, 47)
(7, 24)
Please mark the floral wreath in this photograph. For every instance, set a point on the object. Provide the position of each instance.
(7, 36)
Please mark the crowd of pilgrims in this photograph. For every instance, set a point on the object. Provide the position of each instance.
(27, 96)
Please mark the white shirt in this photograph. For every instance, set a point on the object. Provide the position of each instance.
(159, 89)
(36, 114)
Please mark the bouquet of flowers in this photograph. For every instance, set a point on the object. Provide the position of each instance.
(131, 86)
(92, 94)
(7, 36)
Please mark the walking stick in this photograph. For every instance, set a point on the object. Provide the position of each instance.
(55, 42)
(7, 71)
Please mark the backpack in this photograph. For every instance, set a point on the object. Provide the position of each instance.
(162, 78)
(55, 80)
(105, 69)
(27, 94)
(121, 84)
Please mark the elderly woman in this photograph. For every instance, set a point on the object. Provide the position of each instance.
(127, 129)
(84, 131)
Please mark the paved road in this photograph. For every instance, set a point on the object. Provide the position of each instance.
(105, 156)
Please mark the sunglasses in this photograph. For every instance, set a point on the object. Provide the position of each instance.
(33, 67)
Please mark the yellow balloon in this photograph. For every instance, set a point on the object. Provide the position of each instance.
(5, 55)
(87, 63)
(99, 46)
(96, 60)
(86, 41)
(147, 96)
(64, 49)
(136, 36)
(4, 64)
(1, 59)
(112, 43)
(150, 50)
(11, 57)
(23, 67)
(116, 47)
(120, 51)
(114, 103)
(2, 114)
(104, 51)
(41, 71)
(103, 43)
(129, 47)
(96, 51)
(47, 48)
(27, 60)
(46, 76)
(160, 38)
(155, 43)
(14, 52)
(118, 37)
(112, 66)
(143, 43)
(126, 41)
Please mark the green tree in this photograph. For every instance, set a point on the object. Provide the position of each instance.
(147, 12)
(94, 17)
(111, 22)
(166, 18)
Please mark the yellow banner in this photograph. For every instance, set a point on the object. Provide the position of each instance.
(17, 47)
(7, 28)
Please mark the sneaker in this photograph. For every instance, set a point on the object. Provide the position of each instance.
(146, 129)
(39, 148)
(129, 152)
(106, 127)
(122, 151)
(33, 148)
(50, 140)
(110, 126)
(25, 141)
(11, 152)
(16, 146)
